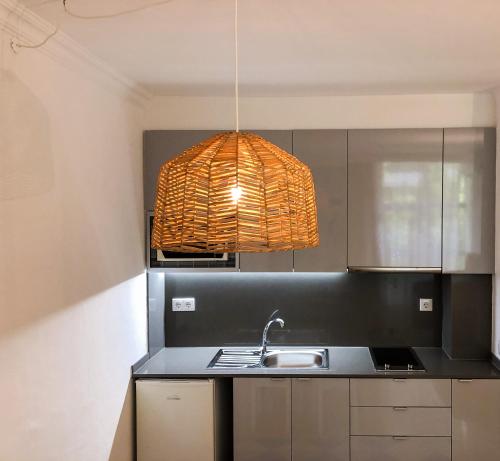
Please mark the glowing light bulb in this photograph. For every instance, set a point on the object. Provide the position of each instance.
(236, 194)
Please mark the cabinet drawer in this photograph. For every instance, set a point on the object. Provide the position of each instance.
(386, 392)
(400, 448)
(401, 421)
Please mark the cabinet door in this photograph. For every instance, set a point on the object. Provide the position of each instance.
(395, 198)
(325, 152)
(262, 419)
(175, 420)
(469, 200)
(320, 419)
(276, 261)
(476, 420)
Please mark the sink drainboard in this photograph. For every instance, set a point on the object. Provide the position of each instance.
(243, 358)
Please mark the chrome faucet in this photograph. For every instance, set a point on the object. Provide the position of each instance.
(273, 318)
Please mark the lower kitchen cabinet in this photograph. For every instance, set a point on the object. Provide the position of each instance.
(262, 417)
(476, 420)
(181, 420)
(401, 449)
(320, 419)
(400, 419)
(283, 419)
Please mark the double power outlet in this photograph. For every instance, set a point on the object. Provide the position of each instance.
(183, 304)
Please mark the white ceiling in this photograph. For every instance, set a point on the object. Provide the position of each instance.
(296, 47)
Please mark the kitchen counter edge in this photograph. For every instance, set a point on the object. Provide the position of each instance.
(345, 362)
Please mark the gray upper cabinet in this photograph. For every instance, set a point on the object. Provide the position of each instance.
(161, 146)
(469, 200)
(325, 152)
(276, 261)
(395, 198)
(476, 420)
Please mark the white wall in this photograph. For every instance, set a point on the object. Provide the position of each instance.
(389, 111)
(72, 283)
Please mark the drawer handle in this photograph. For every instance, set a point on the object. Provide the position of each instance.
(399, 437)
(399, 380)
(278, 379)
(464, 380)
(303, 379)
(400, 408)
(173, 397)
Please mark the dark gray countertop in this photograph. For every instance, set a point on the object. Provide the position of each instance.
(192, 362)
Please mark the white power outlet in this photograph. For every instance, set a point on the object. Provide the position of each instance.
(189, 304)
(425, 305)
(183, 304)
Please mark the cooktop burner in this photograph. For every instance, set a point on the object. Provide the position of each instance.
(395, 359)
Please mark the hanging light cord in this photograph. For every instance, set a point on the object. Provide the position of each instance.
(15, 44)
(236, 82)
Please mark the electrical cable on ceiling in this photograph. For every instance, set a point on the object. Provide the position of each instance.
(112, 15)
(16, 44)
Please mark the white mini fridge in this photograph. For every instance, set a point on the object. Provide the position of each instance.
(182, 420)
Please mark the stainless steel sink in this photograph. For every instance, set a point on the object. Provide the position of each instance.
(273, 358)
(296, 358)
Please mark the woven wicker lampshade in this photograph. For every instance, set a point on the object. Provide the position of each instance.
(235, 192)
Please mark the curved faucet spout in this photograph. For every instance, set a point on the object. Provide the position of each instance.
(272, 319)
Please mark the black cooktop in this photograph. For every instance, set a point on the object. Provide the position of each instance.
(395, 359)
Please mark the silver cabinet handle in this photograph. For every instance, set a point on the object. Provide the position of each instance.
(464, 380)
(435, 270)
(173, 397)
(303, 379)
(277, 379)
(399, 380)
(399, 437)
(400, 408)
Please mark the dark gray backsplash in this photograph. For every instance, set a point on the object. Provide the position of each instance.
(345, 309)
(467, 315)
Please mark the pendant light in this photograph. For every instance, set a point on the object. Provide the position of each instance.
(235, 192)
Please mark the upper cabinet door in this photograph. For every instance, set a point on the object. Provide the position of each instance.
(325, 152)
(469, 200)
(276, 261)
(395, 198)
